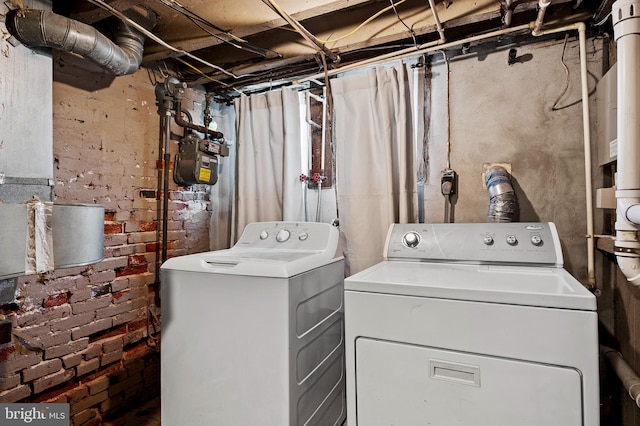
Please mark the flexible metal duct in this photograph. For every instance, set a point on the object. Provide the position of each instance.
(503, 205)
(42, 28)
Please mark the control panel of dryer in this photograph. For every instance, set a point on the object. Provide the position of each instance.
(514, 242)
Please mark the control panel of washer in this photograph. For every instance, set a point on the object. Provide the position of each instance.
(515, 242)
(288, 235)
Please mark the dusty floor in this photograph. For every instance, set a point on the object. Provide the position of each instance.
(148, 414)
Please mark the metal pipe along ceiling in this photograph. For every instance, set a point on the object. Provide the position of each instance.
(41, 28)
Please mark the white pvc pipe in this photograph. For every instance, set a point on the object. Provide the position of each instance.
(537, 26)
(628, 377)
(581, 28)
(437, 20)
(626, 27)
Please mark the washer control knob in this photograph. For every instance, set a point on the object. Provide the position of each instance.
(536, 240)
(282, 235)
(512, 240)
(487, 239)
(411, 239)
(264, 235)
(303, 236)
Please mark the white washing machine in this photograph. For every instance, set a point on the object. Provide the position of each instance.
(254, 335)
(471, 324)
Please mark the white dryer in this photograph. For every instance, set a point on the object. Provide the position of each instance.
(254, 335)
(471, 324)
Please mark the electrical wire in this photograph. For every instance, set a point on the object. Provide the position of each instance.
(349, 34)
(413, 35)
(199, 21)
(566, 71)
(155, 38)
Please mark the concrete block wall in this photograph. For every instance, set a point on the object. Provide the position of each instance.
(90, 335)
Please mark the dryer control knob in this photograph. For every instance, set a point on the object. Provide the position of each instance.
(411, 239)
(283, 235)
(487, 239)
(512, 240)
(536, 240)
(303, 236)
(264, 235)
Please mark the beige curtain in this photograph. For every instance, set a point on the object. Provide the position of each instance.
(375, 159)
(267, 159)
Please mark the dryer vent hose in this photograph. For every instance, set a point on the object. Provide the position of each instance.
(503, 204)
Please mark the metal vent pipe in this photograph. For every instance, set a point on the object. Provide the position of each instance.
(503, 204)
(42, 28)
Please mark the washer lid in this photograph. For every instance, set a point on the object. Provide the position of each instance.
(267, 249)
(539, 286)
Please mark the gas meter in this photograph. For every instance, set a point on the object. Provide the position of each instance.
(197, 161)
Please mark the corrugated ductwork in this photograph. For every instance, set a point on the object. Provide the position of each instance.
(503, 205)
(41, 28)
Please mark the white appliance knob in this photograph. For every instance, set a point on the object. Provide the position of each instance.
(303, 236)
(411, 239)
(264, 235)
(536, 240)
(283, 235)
(488, 240)
(512, 240)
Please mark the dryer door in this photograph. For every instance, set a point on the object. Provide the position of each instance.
(401, 384)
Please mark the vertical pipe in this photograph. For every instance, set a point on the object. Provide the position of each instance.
(165, 189)
(581, 27)
(626, 28)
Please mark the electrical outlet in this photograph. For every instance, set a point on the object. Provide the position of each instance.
(486, 166)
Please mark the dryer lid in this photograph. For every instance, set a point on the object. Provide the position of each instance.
(539, 286)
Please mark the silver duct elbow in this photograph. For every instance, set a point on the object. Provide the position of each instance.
(503, 205)
(41, 28)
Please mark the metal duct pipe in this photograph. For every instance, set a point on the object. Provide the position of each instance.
(42, 28)
(503, 205)
(626, 28)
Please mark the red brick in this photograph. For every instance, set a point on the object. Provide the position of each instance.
(111, 357)
(84, 416)
(147, 226)
(137, 260)
(98, 385)
(87, 367)
(89, 402)
(92, 328)
(42, 369)
(109, 216)
(43, 316)
(111, 344)
(72, 321)
(9, 382)
(55, 300)
(126, 384)
(91, 305)
(132, 270)
(71, 360)
(6, 352)
(113, 228)
(15, 394)
(52, 380)
(113, 310)
(62, 350)
(54, 339)
(19, 362)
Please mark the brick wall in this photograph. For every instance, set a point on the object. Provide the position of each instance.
(90, 335)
